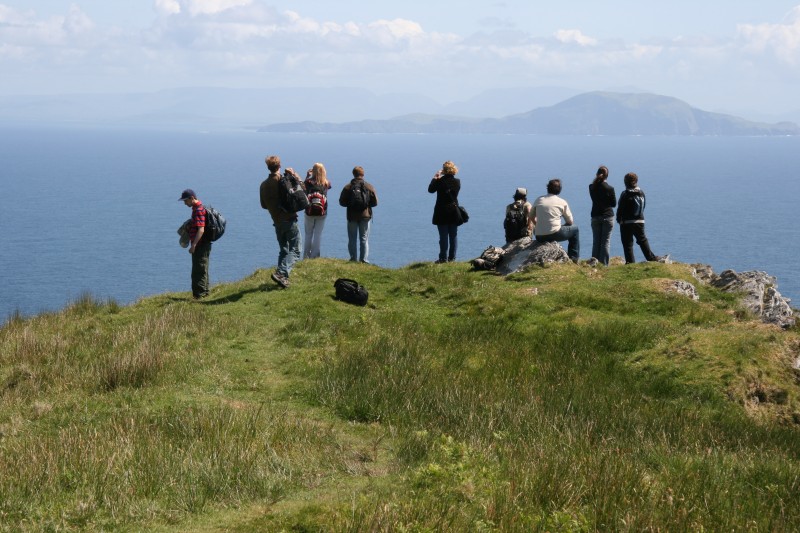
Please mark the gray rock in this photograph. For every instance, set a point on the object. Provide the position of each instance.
(760, 295)
(523, 252)
(683, 288)
(703, 273)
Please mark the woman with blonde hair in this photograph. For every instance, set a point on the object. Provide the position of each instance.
(446, 216)
(316, 186)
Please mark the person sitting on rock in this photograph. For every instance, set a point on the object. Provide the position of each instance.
(553, 221)
(518, 223)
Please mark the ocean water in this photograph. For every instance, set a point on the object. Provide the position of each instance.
(87, 210)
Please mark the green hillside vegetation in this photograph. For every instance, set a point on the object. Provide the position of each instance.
(564, 398)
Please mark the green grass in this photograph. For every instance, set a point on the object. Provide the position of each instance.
(563, 398)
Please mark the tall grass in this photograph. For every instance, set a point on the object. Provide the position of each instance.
(553, 429)
(138, 467)
(58, 352)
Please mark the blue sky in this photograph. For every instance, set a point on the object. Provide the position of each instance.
(728, 55)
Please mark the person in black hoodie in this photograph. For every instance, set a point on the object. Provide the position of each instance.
(604, 200)
(630, 217)
(446, 216)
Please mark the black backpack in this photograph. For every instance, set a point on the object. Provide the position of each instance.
(348, 290)
(292, 197)
(515, 223)
(215, 224)
(359, 195)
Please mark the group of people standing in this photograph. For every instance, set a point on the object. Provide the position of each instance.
(316, 186)
(548, 219)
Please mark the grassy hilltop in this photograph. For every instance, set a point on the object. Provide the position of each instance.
(564, 398)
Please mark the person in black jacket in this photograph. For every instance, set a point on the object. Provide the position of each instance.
(446, 216)
(604, 201)
(630, 217)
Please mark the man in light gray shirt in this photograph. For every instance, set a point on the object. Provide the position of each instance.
(548, 213)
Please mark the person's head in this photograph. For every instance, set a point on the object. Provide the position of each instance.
(319, 174)
(449, 168)
(631, 180)
(273, 163)
(188, 197)
(554, 186)
(602, 174)
(521, 194)
(358, 172)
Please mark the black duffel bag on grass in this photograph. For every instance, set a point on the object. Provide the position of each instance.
(348, 290)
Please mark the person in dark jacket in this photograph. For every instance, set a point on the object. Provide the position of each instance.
(285, 223)
(630, 217)
(446, 215)
(604, 200)
(359, 213)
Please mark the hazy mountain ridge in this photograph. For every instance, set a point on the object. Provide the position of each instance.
(594, 113)
(621, 111)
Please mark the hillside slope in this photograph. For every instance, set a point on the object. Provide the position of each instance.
(561, 398)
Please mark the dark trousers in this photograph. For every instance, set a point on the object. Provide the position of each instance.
(635, 230)
(200, 260)
(448, 233)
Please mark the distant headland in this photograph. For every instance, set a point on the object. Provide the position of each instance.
(593, 113)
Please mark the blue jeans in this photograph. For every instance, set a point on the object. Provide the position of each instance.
(601, 238)
(289, 240)
(358, 232)
(566, 233)
(448, 234)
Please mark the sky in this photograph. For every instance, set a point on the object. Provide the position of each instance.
(726, 55)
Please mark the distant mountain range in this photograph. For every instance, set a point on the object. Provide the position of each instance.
(594, 113)
(555, 110)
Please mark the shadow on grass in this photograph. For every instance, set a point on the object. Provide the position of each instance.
(266, 287)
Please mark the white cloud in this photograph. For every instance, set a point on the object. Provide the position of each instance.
(781, 39)
(77, 21)
(198, 7)
(398, 28)
(250, 43)
(574, 36)
(168, 7)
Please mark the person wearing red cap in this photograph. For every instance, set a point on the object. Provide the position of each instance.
(199, 247)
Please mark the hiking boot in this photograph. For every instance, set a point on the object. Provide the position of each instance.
(280, 280)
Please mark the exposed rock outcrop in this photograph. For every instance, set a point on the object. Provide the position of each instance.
(759, 290)
(523, 252)
(684, 288)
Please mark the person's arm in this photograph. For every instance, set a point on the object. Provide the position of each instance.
(343, 196)
(529, 213)
(373, 196)
(197, 238)
(567, 214)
